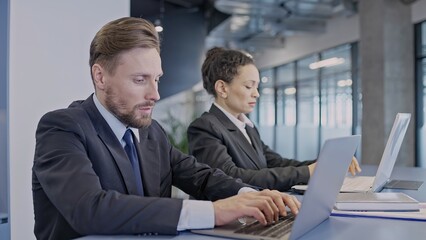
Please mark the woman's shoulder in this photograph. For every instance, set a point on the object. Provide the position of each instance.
(205, 119)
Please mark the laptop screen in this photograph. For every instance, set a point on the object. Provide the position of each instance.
(391, 151)
(332, 164)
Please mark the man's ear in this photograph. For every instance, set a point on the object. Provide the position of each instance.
(221, 88)
(98, 74)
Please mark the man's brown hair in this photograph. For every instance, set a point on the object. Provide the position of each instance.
(119, 36)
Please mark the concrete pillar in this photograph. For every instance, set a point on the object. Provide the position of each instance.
(387, 76)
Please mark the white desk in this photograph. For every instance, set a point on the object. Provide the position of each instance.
(344, 227)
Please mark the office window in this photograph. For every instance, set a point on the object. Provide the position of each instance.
(338, 58)
(421, 92)
(316, 98)
(336, 93)
(286, 111)
(267, 100)
(422, 46)
(202, 102)
(308, 108)
(266, 105)
(286, 95)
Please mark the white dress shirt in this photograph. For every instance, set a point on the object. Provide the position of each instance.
(240, 122)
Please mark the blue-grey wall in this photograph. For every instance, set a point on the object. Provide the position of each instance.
(182, 45)
(182, 51)
(4, 193)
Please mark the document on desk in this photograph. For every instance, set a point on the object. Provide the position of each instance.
(407, 215)
(371, 201)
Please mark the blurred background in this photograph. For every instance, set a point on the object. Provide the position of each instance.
(328, 68)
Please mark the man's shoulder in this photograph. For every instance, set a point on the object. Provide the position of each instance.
(155, 125)
(73, 111)
(154, 129)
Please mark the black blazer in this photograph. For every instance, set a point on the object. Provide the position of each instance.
(83, 184)
(214, 139)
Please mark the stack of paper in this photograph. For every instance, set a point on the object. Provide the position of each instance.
(393, 211)
(371, 201)
(407, 215)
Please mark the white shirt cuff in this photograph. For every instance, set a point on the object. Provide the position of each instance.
(196, 214)
(246, 189)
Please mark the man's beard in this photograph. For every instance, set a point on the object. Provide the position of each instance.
(129, 118)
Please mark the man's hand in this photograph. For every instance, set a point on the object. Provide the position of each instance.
(265, 206)
(354, 168)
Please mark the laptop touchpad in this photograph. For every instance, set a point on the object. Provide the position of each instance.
(403, 184)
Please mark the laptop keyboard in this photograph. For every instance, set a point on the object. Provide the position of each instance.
(276, 230)
(357, 184)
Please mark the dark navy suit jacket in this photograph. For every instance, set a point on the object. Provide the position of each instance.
(83, 182)
(214, 139)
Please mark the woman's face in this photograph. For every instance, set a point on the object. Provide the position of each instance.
(241, 93)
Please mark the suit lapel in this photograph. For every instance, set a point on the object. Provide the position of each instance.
(237, 134)
(112, 143)
(251, 132)
(150, 166)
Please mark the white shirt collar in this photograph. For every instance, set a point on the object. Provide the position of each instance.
(240, 122)
(117, 127)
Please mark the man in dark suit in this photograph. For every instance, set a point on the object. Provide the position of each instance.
(103, 166)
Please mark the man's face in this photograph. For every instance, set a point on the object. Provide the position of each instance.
(131, 91)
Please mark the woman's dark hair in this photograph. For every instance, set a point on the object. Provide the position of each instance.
(222, 64)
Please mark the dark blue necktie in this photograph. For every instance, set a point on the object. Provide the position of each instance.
(133, 157)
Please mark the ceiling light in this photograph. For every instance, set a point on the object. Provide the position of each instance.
(290, 91)
(158, 26)
(326, 63)
(344, 83)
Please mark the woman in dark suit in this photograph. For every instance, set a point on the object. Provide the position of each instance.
(225, 138)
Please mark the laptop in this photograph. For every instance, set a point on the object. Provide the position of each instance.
(384, 171)
(332, 164)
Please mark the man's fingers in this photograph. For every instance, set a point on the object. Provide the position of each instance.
(229, 209)
(268, 208)
(257, 214)
(292, 203)
(265, 206)
(276, 201)
(263, 203)
(298, 203)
